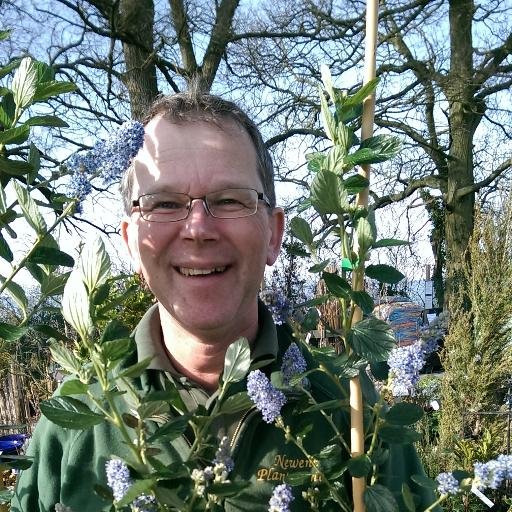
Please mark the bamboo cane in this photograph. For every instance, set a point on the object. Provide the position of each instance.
(356, 397)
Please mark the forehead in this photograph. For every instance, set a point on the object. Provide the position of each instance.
(191, 155)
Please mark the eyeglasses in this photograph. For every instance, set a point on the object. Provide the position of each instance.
(230, 203)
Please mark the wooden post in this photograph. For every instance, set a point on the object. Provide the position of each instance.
(356, 397)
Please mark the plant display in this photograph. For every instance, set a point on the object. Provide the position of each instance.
(104, 375)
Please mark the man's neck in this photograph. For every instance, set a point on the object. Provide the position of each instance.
(200, 356)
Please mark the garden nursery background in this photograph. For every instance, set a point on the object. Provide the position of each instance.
(444, 72)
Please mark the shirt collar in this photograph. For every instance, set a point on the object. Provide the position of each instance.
(149, 340)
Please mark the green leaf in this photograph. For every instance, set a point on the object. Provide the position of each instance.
(337, 285)
(69, 412)
(53, 88)
(153, 409)
(237, 361)
(389, 242)
(325, 406)
(117, 349)
(49, 331)
(298, 478)
(316, 161)
(10, 332)
(319, 267)
(138, 488)
(14, 167)
(5, 70)
(315, 301)
(172, 429)
(301, 230)
(365, 237)
(136, 370)
(24, 83)
(360, 95)
(64, 358)
(310, 320)
(5, 34)
(5, 250)
(408, 498)
(101, 294)
(325, 74)
(396, 434)
(16, 135)
(328, 121)
(424, 481)
(384, 147)
(384, 273)
(34, 159)
(355, 184)
(328, 194)
(236, 403)
(30, 210)
(360, 466)
(72, 387)
(54, 284)
(94, 264)
(380, 370)
(372, 339)
(115, 330)
(51, 256)
(378, 498)
(75, 305)
(404, 413)
(17, 293)
(336, 160)
(331, 450)
(226, 489)
(8, 110)
(3, 199)
(46, 121)
(363, 300)
(169, 497)
(16, 461)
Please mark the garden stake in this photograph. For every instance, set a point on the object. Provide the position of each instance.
(356, 397)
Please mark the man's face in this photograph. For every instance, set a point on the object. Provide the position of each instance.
(197, 158)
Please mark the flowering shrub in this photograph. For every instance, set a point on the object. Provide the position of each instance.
(101, 383)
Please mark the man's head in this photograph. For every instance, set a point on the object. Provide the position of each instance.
(204, 269)
(193, 106)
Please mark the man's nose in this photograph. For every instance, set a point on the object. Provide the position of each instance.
(203, 210)
(199, 225)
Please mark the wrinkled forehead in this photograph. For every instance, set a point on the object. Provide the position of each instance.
(177, 148)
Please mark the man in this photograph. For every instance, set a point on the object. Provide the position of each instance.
(201, 224)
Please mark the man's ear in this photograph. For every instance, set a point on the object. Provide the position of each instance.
(130, 238)
(277, 231)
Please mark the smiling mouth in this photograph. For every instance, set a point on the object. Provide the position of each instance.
(200, 271)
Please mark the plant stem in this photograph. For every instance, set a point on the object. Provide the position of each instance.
(39, 239)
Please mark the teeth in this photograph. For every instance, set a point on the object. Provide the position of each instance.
(200, 271)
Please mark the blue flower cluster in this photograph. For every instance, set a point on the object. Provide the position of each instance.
(108, 159)
(265, 396)
(293, 364)
(278, 305)
(119, 480)
(281, 499)
(493, 473)
(405, 364)
(223, 455)
(447, 484)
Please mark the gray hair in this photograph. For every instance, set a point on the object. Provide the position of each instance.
(194, 105)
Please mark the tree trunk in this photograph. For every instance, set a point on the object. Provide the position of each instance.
(136, 23)
(465, 112)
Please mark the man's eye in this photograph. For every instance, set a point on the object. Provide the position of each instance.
(168, 205)
(229, 203)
